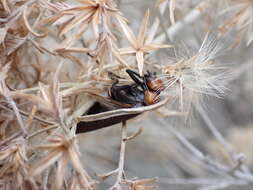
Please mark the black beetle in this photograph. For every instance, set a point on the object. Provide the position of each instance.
(145, 91)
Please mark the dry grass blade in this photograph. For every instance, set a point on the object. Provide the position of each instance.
(11, 44)
(140, 61)
(3, 32)
(44, 163)
(119, 112)
(172, 10)
(241, 19)
(62, 150)
(6, 93)
(142, 184)
(63, 161)
(162, 5)
(127, 31)
(73, 23)
(139, 46)
(14, 162)
(143, 30)
(42, 35)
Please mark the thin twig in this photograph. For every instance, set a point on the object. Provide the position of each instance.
(214, 131)
(236, 157)
(45, 179)
(134, 135)
(42, 131)
(180, 25)
(9, 139)
(160, 16)
(45, 122)
(222, 185)
(156, 23)
(106, 175)
(18, 115)
(213, 165)
(200, 181)
(116, 186)
(124, 111)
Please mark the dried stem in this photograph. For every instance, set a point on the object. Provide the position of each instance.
(180, 25)
(42, 131)
(120, 169)
(214, 131)
(236, 157)
(212, 164)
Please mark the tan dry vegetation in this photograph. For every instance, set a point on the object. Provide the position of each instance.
(55, 57)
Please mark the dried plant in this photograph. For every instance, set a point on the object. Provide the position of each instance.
(139, 44)
(241, 18)
(14, 163)
(197, 72)
(57, 59)
(61, 149)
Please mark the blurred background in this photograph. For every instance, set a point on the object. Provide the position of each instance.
(222, 129)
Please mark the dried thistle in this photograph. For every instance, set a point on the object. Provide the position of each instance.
(89, 12)
(139, 45)
(4, 91)
(100, 15)
(14, 163)
(198, 72)
(61, 149)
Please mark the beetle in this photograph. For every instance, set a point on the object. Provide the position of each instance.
(144, 91)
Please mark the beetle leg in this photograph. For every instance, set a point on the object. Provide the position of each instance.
(135, 76)
(114, 77)
(137, 79)
(113, 88)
